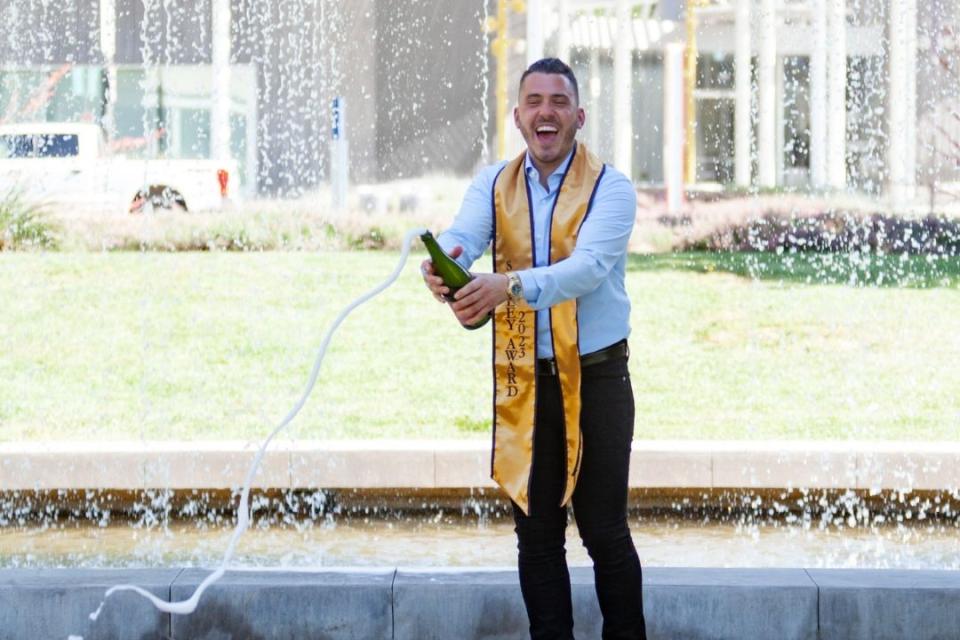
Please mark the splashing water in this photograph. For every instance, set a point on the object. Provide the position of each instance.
(485, 90)
(188, 606)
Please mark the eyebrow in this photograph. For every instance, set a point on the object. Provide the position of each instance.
(552, 95)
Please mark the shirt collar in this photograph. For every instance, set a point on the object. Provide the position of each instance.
(553, 181)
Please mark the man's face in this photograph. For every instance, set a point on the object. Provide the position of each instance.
(548, 116)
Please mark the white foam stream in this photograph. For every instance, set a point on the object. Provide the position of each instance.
(188, 606)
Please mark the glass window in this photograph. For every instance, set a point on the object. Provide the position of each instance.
(16, 146)
(715, 71)
(56, 146)
(52, 145)
(796, 113)
(715, 140)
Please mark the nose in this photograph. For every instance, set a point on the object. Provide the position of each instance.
(545, 113)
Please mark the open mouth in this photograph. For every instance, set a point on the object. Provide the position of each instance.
(546, 133)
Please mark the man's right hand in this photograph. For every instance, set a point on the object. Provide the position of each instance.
(432, 280)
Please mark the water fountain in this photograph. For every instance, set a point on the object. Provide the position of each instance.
(836, 208)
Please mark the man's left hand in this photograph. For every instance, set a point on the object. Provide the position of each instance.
(479, 297)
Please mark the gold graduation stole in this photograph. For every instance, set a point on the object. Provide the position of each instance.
(515, 323)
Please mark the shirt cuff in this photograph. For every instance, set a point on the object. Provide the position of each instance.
(531, 290)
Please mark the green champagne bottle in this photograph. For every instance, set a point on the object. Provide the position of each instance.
(454, 276)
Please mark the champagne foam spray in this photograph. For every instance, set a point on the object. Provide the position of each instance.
(188, 606)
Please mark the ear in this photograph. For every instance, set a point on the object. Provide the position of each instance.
(581, 117)
(516, 117)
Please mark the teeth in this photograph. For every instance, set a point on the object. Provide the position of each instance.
(546, 128)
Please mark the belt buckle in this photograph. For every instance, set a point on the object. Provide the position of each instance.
(548, 366)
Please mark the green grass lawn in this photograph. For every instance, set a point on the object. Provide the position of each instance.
(219, 345)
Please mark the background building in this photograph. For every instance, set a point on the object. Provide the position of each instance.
(411, 73)
(821, 94)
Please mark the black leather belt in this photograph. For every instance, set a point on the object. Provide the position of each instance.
(548, 366)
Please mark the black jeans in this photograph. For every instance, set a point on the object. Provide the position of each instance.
(599, 505)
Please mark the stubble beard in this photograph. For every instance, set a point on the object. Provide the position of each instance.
(558, 151)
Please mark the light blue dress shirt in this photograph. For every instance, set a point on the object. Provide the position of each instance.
(594, 272)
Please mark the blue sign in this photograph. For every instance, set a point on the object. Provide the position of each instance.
(335, 120)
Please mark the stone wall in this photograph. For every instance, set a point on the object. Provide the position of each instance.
(694, 604)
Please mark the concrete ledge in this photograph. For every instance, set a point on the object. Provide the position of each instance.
(730, 603)
(465, 464)
(693, 604)
(56, 603)
(270, 604)
(443, 604)
(888, 605)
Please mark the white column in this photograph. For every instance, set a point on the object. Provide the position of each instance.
(901, 150)
(220, 113)
(108, 47)
(818, 95)
(149, 101)
(534, 31)
(837, 94)
(743, 133)
(622, 89)
(767, 99)
(253, 117)
(563, 30)
(911, 132)
(911, 68)
(673, 124)
(593, 128)
(778, 120)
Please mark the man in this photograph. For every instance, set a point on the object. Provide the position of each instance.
(559, 222)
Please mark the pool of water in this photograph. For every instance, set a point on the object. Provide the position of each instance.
(443, 540)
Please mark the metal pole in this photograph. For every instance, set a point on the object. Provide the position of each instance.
(339, 154)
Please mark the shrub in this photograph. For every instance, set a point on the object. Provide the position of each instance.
(24, 224)
(278, 227)
(831, 232)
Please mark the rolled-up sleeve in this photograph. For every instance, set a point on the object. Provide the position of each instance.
(602, 241)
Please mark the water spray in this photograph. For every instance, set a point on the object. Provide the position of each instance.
(185, 607)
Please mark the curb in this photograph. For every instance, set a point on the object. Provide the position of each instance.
(464, 464)
(414, 604)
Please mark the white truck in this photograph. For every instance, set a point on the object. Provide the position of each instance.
(68, 164)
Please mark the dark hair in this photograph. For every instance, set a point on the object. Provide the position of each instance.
(553, 65)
